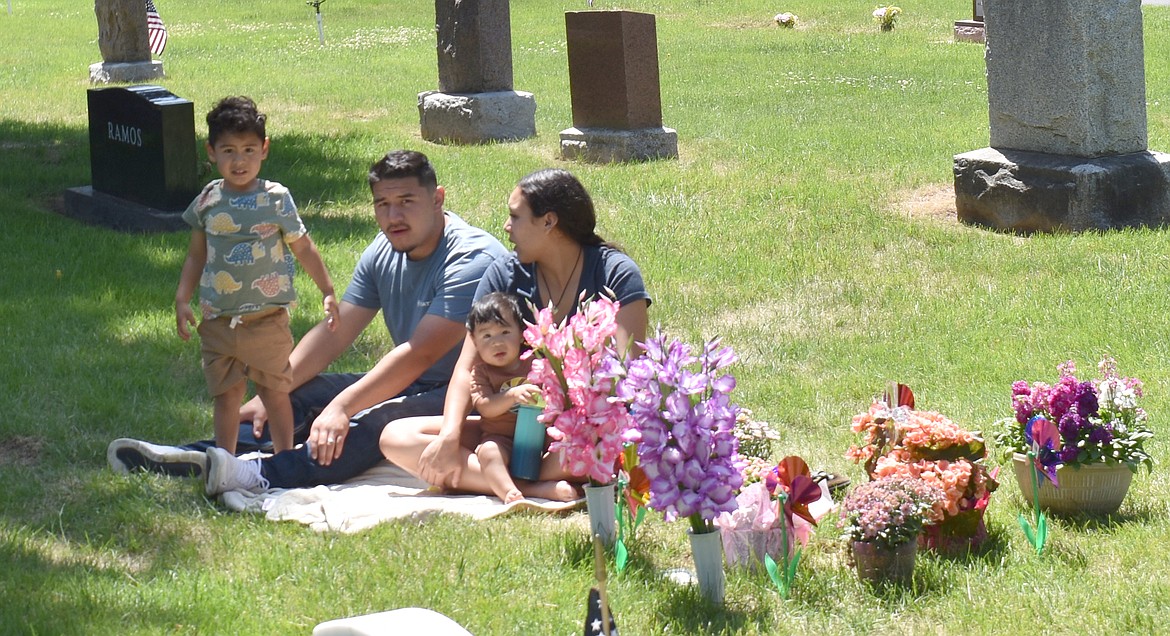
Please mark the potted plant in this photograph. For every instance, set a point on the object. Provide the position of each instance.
(1101, 443)
(899, 441)
(774, 519)
(882, 520)
(886, 17)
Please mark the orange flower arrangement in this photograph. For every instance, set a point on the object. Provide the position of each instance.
(902, 442)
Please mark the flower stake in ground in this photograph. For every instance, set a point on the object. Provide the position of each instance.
(901, 441)
(578, 368)
(794, 489)
(1042, 458)
(634, 490)
(684, 430)
(886, 17)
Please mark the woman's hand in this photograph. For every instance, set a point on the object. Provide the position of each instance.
(440, 463)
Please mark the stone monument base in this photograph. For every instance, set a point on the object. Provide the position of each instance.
(116, 213)
(125, 72)
(1037, 192)
(607, 145)
(969, 31)
(473, 118)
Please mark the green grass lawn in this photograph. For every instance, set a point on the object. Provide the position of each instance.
(806, 221)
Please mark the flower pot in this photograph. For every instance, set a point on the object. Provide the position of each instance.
(707, 551)
(1091, 488)
(878, 563)
(599, 500)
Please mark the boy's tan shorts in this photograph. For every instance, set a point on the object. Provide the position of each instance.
(257, 348)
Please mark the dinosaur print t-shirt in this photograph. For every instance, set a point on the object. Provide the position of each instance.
(248, 268)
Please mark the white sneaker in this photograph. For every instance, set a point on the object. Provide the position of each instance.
(227, 472)
(125, 455)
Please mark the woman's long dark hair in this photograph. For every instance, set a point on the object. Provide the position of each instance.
(556, 190)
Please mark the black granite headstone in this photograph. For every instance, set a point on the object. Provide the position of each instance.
(142, 146)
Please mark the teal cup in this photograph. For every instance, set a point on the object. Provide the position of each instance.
(527, 444)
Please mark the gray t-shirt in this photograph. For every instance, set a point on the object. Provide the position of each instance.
(442, 284)
(601, 268)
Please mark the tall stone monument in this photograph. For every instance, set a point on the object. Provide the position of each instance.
(124, 43)
(475, 102)
(613, 82)
(1067, 109)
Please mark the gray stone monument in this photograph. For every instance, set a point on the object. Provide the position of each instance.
(124, 43)
(613, 81)
(475, 102)
(1067, 109)
(143, 160)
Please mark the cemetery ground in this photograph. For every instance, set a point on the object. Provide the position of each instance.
(806, 222)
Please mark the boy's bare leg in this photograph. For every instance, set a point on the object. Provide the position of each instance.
(280, 417)
(227, 416)
(493, 463)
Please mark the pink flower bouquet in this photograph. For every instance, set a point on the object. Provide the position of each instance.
(578, 368)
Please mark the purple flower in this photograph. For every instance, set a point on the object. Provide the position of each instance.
(684, 422)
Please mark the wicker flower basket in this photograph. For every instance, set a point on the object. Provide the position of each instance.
(1092, 488)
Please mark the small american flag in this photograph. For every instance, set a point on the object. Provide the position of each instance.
(155, 28)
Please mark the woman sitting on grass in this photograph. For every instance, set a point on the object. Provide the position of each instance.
(558, 259)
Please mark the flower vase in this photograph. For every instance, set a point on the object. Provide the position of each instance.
(877, 563)
(600, 501)
(1090, 488)
(707, 551)
(887, 27)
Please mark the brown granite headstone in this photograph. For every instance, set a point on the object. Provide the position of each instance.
(613, 69)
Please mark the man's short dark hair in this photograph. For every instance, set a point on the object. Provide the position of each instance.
(235, 115)
(500, 308)
(402, 164)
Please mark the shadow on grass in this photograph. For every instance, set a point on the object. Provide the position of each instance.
(65, 567)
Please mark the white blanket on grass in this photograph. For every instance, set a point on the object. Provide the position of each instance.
(382, 493)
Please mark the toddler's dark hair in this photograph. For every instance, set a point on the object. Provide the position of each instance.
(500, 308)
(235, 115)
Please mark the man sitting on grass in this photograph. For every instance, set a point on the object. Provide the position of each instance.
(421, 272)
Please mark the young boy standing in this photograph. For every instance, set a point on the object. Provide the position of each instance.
(237, 258)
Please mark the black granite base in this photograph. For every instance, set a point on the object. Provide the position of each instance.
(1028, 192)
(97, 208)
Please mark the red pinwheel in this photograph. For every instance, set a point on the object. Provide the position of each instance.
(800, 490)
(1044, 439)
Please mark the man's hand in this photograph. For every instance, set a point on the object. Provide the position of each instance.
(440, 463)
(253, 411)
(327, 437)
